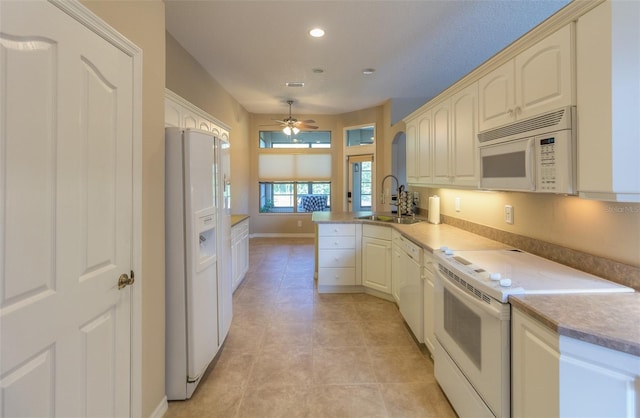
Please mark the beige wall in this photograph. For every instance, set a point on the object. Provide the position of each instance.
(606, 229)
(188, 79)
(143, 23)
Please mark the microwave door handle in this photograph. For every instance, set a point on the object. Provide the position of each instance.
(530, 167)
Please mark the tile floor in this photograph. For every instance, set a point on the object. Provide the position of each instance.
(292, 352)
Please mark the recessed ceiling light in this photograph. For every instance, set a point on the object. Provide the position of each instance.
(294, 84)
(368, 71)
(316, 33)
(317, 70)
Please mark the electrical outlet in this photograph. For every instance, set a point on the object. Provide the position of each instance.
(508, 214)
(299, 224)
(457, 203)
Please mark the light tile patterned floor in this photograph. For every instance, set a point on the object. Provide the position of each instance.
(292, 352)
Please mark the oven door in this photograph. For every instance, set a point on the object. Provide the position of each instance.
(508, 166)
(474, 332)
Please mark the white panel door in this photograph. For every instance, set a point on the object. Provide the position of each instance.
(66, 216)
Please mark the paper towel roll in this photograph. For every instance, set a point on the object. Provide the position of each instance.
(434, 210)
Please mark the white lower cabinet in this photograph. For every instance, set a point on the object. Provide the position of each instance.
(428, 272)
(397, 266)
(338, 258)
(239, 252)
(555, 375)
(376, 257)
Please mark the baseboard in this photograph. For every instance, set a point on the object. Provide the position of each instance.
(161, 409)
(282, 235)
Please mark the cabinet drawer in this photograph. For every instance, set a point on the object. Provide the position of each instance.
(375, 231)
(332, 230)
(337, 276)
(240, 229)
(336, 242)
(336, 258)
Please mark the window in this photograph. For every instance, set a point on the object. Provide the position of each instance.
(304, 139)
(295, 197)
(365, 184)
(294, 176)
(357, 136)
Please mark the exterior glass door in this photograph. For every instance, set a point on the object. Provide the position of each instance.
(360, 195)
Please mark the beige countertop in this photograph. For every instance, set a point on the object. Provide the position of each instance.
(236, 219)
(610, 320)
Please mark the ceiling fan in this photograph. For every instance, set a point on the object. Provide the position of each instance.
(291, 125)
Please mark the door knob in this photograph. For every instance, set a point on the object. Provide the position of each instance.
(125, 280)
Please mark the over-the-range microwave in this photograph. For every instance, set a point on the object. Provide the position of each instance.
(532, 155)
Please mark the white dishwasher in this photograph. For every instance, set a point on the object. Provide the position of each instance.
(411, 287)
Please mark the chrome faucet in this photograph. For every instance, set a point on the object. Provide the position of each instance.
(397, 186)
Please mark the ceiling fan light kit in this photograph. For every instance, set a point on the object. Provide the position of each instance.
(291, 125)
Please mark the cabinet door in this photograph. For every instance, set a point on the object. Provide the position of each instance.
(423, 155)
(496, 95)
(535, 362)
(397, 272)
(243, 254)
(441, 170)
(429, 328)
(376, 264)
(412, 152)
(545, 75)
(608, 89)
(464, 123)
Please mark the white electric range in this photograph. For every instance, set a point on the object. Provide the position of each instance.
(473, 319)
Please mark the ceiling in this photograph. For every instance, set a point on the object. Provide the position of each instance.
(418, 48)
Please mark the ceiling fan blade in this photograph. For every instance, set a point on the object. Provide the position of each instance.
(304, 126)
(308, 121)
(279, 121)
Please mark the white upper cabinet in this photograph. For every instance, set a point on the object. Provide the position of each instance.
(538, 80)
(445, 141)
(180, 113)
(440, 155)
(419, 138)
(497, 97)
(411, 131)
(608, 87)
(464, 128)
(424, 148)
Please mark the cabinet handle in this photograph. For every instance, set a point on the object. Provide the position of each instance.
(518, 110)
(510, 112)
(335, 243)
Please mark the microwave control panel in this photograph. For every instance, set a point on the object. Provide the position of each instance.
(555, 161)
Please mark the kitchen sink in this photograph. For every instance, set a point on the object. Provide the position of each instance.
(391, 219)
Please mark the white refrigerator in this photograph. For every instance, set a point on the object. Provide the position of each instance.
(197, 261)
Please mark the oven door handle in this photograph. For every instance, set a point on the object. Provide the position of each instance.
(494, 309)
